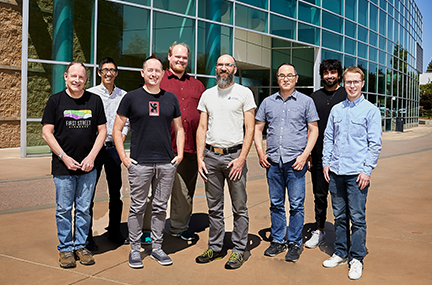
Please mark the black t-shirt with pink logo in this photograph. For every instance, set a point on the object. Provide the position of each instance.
(150, 117)
(76, 124)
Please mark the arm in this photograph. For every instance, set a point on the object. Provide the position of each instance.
(200, 141)
(118, 137)
(88, 162)
(259, 127)
(48, 136)
(312, 137)
(180, 139)
(238, 163)
(328, 147)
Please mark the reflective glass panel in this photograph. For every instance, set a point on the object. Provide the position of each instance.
(351, 9)
(382, 43)
(250, 18)
(389, 81)
(141, 2)
(61, 31)
(335, 6)
(280, 43)
(381, 79)
(362, 64)
(383, 4)
(303, 59)
(186, 7)
(285, 7)
(373, 55)
(257, 3)
(282, 27)
(169, 28)
(126, 80)
(327, 54)
(128, 42)
(332, 22)
(350, 29)
(374, 1)
(382, 23)
(363, 12)
(309, 14)
(216, 10)
(362, 50)
(373, 18)
(213, 41)
(362, 34)
(373, 39)
(315, 2)
(349, 61)
(278, 57)
(35, 143)
(350, 46)
(382, 57)
(308, 34)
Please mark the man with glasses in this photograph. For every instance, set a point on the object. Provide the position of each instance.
(108, 157)
(324, 99)
(151, 111)
(289, 115)
(222, 148)
(352, 144)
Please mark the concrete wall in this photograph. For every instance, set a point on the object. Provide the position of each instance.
(10, 72)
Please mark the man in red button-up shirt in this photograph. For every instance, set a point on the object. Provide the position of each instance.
(188, 91)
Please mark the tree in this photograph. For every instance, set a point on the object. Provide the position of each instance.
(426, 88)
(429, 67)
(426, 103)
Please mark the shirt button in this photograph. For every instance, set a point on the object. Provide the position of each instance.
(183, 99)
(184, 121)
(181, 88)
(184, 109)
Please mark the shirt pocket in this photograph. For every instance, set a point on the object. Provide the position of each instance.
(358, 127)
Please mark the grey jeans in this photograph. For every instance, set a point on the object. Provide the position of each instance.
(161, 177)
(216, 165)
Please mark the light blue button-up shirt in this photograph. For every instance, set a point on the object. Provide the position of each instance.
(287, 124)
(352, 139)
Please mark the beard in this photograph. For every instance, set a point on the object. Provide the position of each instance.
(331, 83)
(178, 68)
(224, 82)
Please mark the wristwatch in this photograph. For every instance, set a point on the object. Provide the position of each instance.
(61, 155)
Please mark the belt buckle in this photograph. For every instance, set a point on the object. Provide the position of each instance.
(218, 150)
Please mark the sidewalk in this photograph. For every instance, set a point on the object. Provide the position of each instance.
(399, 238)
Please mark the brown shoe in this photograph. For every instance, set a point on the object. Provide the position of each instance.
(85, 256)
(67, 259)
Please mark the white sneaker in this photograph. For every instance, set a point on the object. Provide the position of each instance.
(317, 238)
(356, 268)
(334, 261)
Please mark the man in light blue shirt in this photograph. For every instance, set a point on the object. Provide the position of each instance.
(352, 144)
(290, 115)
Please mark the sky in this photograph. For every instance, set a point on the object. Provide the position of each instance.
(425, 7)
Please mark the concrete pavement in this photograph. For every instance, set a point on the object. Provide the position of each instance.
(399, 238)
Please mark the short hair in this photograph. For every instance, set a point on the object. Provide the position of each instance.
(354, 69)
(235, 61)
(152, 57)
(289, 64)
(177, 44)
(107, 60)
(331, 64)
(73, 63)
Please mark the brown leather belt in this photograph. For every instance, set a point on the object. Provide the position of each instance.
(224, 150)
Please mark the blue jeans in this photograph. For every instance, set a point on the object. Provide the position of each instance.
(281, 176)
(70, 190)
(349, 205)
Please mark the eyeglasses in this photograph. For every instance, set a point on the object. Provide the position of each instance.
(355, 82)
(289, 76)
(220, 65)
(106, 70)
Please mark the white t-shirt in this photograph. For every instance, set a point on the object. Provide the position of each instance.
(225, 109)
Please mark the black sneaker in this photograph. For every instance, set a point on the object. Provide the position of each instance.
(235, 261)
(293, 253)
(275, 248)
(209, 255)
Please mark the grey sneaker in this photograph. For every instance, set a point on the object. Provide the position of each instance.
(356, 268)
(334, 261)
(67, 259)
(185, 235)
(160, 256)
(275, 248)
(135, 260)
(317, 238)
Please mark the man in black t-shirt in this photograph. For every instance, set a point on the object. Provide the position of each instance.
(150, 111)
(324, 99)
(74, 129)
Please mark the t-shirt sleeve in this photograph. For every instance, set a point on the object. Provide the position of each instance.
(260, 116)
(49, 115)
(123, 108)
(101, 118)
(202, 104)
(249, 102)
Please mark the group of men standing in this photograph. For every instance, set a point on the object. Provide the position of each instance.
(179, 129)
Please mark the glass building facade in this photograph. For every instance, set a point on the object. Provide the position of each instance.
(382, 37)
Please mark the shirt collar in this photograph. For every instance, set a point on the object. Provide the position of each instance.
(170, 74)
(293, 95)
(105, 90)
(351, 104)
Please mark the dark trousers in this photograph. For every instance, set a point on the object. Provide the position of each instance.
(320, 191)
(107, 158)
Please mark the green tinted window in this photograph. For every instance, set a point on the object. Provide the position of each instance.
(382, 43)
(315, 2)
(327, 54)
(335, 6)
(279, 56)
(351, 9)
(331, 40)
(373, 39)
(363, 12)
(350, 29)
(349, 61)
(186, 7)
(373, 18)
(282, 27)
(362, 64)
(123, 33)
(381, 79)
(332, 22)
(308, 34)
(141, 2)
(382, 57)
(350, 46)
(382, 23)
(373, 54)
(389, 81)
(213, 41)
(309, 14)
(303, 59)
(362, 50)
(216, 10)
(169, 28)
(257, 3)
(285, 7)
(362, 34)
(372, 86)
(250, 18)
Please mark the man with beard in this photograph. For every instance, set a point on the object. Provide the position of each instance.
(222, 148)
(324, 99)
(188, 91)
(290, 115)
